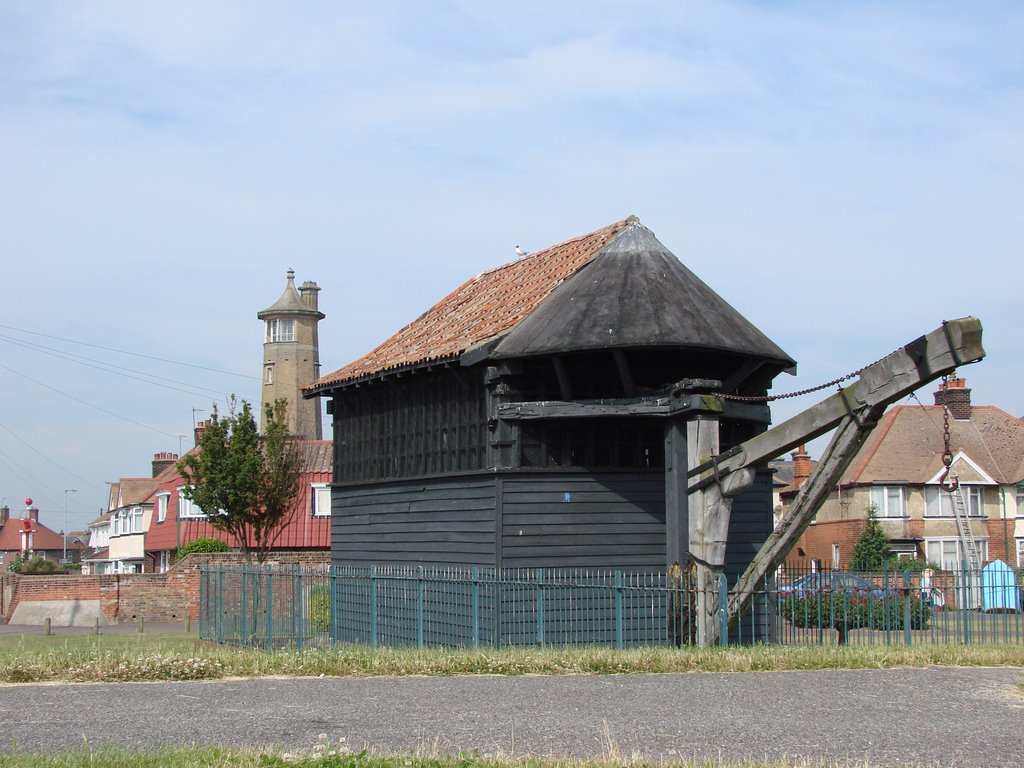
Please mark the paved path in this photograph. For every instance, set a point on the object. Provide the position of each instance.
(948, 717)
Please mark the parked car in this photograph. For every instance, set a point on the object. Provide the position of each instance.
(817, 583)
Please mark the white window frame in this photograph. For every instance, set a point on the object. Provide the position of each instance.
(163, 501)
(944, 543)
(1020, 501)
(1020, 553)
(884, 503)
(281, 329)
(938, 503)
(835, 557)
(187, 510)
(321, 499)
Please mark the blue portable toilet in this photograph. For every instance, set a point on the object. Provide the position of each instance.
(999, 590)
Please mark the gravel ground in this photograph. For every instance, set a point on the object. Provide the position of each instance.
(937, 716)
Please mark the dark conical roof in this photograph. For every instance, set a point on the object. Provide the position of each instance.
(636, 293)
(614, 288)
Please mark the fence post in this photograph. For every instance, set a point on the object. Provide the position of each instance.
(244, 639)
(539, 589)
(332, 585)
(220, 603)
(475, 605)
(723, 611)
(298, 605)
(618, 610)
(419, 606)
(373, 606)
(907, 638)
(965, 596)
(270, 608)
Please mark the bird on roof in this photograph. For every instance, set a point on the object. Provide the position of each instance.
(520, 252)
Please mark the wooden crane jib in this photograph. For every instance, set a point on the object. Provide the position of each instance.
(852, 412)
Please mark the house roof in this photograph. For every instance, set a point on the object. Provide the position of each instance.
(907, 446)
(43, 538)
(567, 297)
(131, 490)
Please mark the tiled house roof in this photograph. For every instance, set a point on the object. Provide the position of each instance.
(907, 445)
(479, 309)
(616, 288)
(43, 538)
(131, 490)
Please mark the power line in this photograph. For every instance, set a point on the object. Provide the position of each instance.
(91, 405)
(127, 352)
(110, 368)
(43, 455)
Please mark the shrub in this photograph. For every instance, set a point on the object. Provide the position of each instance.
(872, 549)
(846, 610)
(34, 564)
(203, 545)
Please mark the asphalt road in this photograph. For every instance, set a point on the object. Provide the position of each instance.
(947, 717)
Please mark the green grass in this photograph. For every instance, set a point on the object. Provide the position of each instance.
(319, 758)
(114, 658)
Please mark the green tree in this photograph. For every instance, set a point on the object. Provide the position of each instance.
(873, 548)
(245, 483)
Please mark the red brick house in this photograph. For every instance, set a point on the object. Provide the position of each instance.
(176, 521)
(42, 540)
(898, 471)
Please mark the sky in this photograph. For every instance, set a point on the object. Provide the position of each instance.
(846, 175)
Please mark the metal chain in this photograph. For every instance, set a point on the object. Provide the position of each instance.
(947, 453)
(799, 393)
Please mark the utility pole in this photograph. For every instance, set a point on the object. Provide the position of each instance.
(66, 492)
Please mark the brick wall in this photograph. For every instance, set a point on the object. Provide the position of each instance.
(124, 598)
(816, 544)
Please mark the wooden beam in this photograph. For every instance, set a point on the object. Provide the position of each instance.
(641, 406)
(676, 501)
(703, 524)
(850, 435)
(625, 375)
(560, 409)
(923, 360)
(564, 384)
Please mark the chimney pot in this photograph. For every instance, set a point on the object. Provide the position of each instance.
(308, 291)
(162, 461)
(955, 395)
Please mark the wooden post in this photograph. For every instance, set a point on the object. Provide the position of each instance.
(676, 501)
(701, 444)
(46, 627)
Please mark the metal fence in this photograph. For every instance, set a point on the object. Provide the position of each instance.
(300, 607)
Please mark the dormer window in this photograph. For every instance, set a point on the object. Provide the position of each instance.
(281, 330)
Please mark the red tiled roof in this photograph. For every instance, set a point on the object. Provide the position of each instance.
(43, 538)
(907, 445)
(480, 309)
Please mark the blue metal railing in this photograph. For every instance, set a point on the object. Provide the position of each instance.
(376, 606)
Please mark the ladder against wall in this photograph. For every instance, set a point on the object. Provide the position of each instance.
(970, 581)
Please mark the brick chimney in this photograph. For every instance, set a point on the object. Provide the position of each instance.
(308, 291)
(162, 461)
(33, 514)
(801, 466)
(5, 515)
(956, 396)
(200, 428)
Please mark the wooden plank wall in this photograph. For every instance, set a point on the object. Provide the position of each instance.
(601, 520)
(438, 521)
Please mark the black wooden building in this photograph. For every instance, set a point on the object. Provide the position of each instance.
(520, 421)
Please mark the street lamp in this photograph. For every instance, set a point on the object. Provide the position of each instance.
(66, 492)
